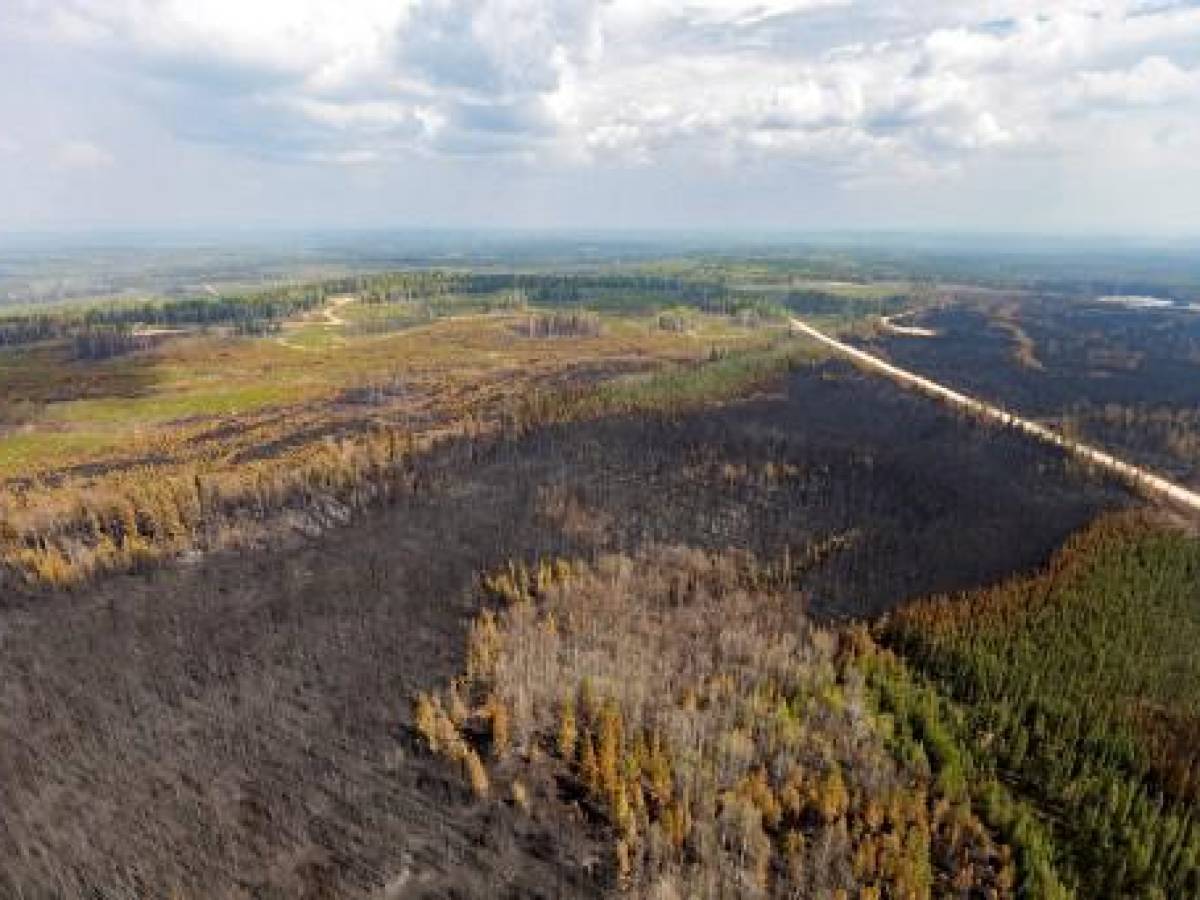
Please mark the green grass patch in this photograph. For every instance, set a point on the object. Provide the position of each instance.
(160, 408)
(313, 337)
(37, 450)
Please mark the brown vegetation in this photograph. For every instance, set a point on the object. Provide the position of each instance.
(727, 745)
(312, 466)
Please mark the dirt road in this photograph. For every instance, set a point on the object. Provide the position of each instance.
(329, 313)
(326, 317)
(1140, 479)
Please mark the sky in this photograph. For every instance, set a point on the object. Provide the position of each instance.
(1072, 117)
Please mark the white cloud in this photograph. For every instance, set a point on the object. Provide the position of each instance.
(1153, 81)
(300, 38)
(81, 155)
(858, 86)
(635, 14)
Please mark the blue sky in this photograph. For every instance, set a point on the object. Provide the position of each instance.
(1073, 116)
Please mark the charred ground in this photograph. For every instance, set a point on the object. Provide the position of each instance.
(241, 726)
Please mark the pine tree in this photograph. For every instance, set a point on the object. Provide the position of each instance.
(832, 797)
(425, 716)
(476, 773)
(610, 744)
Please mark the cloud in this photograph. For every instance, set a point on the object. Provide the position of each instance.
(1153, 81)
(862, 88)
(82, 156)
(499, 48)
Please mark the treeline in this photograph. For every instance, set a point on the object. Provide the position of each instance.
(614, 292)
(1081, 687)
(140, 517)
(97, 342)
(824, 303)
(259, 311)
(247, 313)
